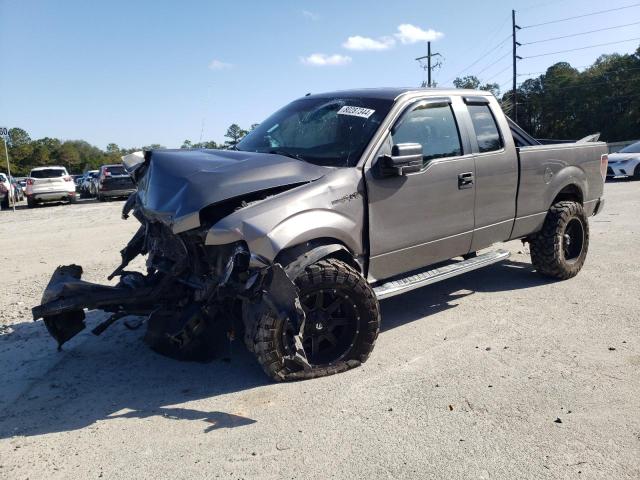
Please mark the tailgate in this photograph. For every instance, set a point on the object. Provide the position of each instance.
(120, 182)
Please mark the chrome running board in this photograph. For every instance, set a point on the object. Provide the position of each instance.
(426, 276)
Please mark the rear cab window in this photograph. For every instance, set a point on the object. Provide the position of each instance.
(48, 173)
(485, 127)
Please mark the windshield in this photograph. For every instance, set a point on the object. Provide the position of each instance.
(48, 173)
(633, 148)
(330, 132)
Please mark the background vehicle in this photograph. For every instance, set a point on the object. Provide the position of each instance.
(335, 201)
(6, 192)
(78, 183)
(50, 184)
(113, 181)
(625, 163)
(85, 186)
(18, 194)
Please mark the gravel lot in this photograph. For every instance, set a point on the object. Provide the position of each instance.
(497, 374)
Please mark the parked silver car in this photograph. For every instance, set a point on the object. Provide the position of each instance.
(625, 163)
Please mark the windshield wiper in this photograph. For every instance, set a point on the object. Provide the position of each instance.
(286, 154)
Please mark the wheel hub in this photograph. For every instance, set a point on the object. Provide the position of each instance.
(331, 325)
(573, 240)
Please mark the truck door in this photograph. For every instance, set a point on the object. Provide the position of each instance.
(419, 218)
(496, 167)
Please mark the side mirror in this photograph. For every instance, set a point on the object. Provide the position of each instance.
(405, 158)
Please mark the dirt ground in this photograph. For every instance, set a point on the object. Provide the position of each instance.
(497, 374)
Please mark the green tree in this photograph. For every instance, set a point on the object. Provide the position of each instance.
(69, 156)
(18, 137)
(154, 146)
(234, 134)
(473, 83)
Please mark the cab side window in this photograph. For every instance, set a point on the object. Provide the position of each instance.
(486, 129)
(432, 126)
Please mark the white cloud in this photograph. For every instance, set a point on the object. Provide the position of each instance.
(324, 60)
(310, 15)
(365, 43)
(218, 65)
(408, 34)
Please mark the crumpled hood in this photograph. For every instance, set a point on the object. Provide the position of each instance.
(176, 184)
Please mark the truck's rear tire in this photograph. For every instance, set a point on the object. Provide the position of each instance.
(341, 327)
(560, 248)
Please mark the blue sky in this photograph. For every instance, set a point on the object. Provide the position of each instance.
(141, 72)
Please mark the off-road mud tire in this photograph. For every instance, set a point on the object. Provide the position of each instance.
(329, 274)
(547, 253)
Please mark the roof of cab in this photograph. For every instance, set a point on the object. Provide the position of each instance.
(395, 92)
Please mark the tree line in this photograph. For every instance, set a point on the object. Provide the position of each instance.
(79, 156)
(561, 103)
(565, 103)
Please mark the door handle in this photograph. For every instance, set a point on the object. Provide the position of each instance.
(465, 180)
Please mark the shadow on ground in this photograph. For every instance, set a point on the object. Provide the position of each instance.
(117, 376)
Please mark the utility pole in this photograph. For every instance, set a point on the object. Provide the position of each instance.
(428, 67)
(515, 28)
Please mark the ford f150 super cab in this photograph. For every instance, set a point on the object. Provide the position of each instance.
(337, 200)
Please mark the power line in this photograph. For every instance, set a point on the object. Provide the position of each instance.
(582, 16)
(498, 74)
(593, 84)
(582, 48)
(581, 33)
(482, 57)
(493, 63)
(530, 74)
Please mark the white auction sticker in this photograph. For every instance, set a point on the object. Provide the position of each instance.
(356, 111)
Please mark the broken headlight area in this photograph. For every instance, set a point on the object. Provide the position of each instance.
(191, 295)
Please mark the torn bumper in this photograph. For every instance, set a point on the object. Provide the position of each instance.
(180, 323)
(67, 295)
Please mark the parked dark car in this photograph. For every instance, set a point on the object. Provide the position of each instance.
(113, 181)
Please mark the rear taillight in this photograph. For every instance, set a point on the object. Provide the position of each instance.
(604, 163)
(29, 181)
(68, 179)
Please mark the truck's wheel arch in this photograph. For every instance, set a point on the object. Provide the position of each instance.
(570, 192)
(568, 184)
(296, 258)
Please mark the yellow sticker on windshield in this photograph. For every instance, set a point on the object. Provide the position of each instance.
(356, 111)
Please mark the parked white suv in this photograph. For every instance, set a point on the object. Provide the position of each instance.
(50, 184)
(6, 192)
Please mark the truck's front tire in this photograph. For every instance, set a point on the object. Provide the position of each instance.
(560, 248)
(341, 326)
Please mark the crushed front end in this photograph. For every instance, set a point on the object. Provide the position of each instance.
(191, 295)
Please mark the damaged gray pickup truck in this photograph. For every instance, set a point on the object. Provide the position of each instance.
(335, 201)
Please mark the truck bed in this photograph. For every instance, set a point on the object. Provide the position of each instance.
(545, 170)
